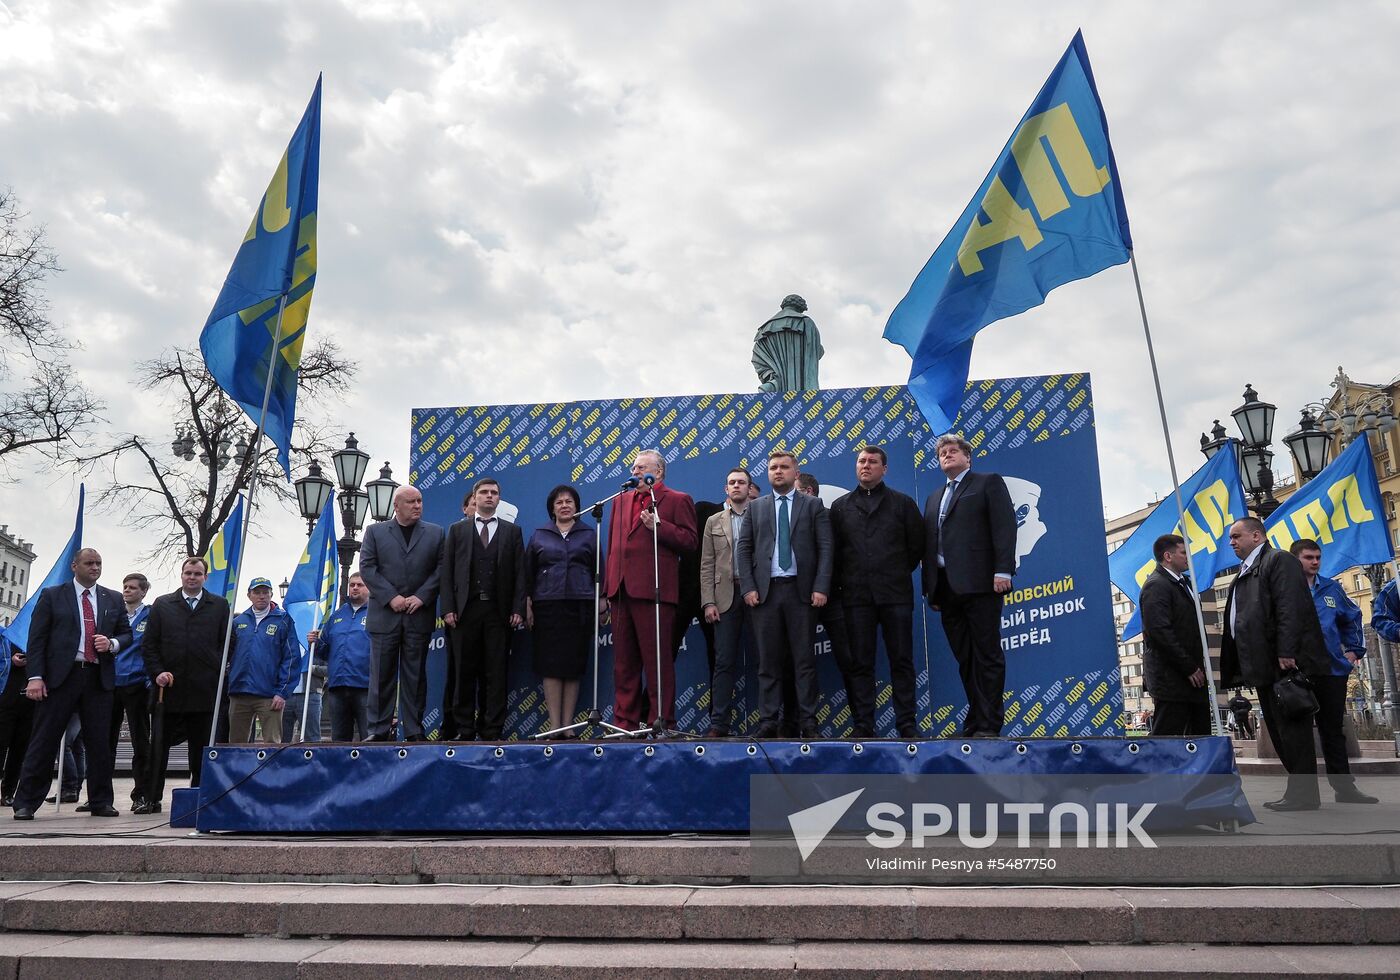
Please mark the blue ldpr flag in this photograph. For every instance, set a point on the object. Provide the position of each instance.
(277, 259)
(224, 554)
(312, 593)
(16, 635)
(1214, 499)
(1340, 509)
(1049, 212)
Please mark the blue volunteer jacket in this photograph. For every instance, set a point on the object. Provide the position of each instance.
(346, 645)
(1385, 612)
(265, 656)
(1341, 623)
(131, 668)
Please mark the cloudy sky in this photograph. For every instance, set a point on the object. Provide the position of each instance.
(548, 201)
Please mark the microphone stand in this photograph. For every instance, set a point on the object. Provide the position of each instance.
(595, 716)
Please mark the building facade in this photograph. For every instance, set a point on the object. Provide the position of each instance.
(16, 562)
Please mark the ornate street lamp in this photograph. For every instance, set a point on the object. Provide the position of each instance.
(1308, 446)
(381, 493)
(1255, 419)
(1217, 441)
(312, 491)
(350, 464)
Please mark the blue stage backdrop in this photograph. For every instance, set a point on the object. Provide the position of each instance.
(1057, 629)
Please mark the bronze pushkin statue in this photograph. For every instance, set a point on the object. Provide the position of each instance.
(786, 349)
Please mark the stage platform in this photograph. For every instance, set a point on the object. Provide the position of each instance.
(666, 786)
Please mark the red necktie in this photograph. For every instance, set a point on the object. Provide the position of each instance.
(89, 630)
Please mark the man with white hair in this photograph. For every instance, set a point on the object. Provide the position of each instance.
(401, 562)
(643, 585)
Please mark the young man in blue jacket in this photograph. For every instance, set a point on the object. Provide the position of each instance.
(344, 643)
(1385, 612)
(1340, 619)
(262, 666)
(132, 695)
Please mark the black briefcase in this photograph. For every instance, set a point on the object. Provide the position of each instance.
(1295, 696)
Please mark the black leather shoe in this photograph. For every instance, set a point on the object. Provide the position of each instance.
(1291, 806)
(765, 731)
(144, 808)
(1354, 795)
(103, 810)
(908, 731)
(7, 801)
(23, 813)
(717, 732)
(68, 798)
(810, 735)
(85, 807)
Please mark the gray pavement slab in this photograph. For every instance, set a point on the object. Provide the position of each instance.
(799, 913)
(1254, 915)
(170, 958)
(867, 961)
(645, 960)
(412, 960)
(1022, 915)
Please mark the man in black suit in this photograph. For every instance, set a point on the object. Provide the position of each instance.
(783, 563)
(879, 539)
(1172, 662)
(183, 652)
(969, 558)
(483, 599)
(1271, 626)
(77, 629)
(401, 562)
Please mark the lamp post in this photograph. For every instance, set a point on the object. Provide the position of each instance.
(312, 491)
(1255, 419)
(1344, 417)
(350, 464)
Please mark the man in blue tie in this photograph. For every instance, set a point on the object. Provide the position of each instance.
(782, 560)
(969, 558)
(77, 630)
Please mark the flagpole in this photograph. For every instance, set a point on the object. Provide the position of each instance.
(255, 453)
(306, 687)
(1215, 728)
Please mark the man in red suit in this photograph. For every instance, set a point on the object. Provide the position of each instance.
(631, 586)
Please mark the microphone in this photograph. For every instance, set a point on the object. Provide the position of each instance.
(648, 479)
(632, 483)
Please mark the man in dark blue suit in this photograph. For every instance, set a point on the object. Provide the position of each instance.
(401, 562)
(969, 558)
(782, 561)
(77, 630)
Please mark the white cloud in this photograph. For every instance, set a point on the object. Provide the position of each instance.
(549, 201)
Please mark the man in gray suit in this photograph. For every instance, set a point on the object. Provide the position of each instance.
(720, 600)
(400, 562)
(783, 563)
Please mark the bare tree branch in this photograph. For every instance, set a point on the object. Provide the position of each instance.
(187, 500)
(45, 406)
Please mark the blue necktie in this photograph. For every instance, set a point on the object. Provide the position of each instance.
(784, 535)
(190, 601)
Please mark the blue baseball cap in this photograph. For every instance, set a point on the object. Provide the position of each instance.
(260, 583)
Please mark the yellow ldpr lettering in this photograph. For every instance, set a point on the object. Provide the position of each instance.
(1347, 503)
(1006, 220)
(1310, 521)
(275, 212)
(1057, 127)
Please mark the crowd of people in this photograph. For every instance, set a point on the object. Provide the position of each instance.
(764, 570)
(1286, 628)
